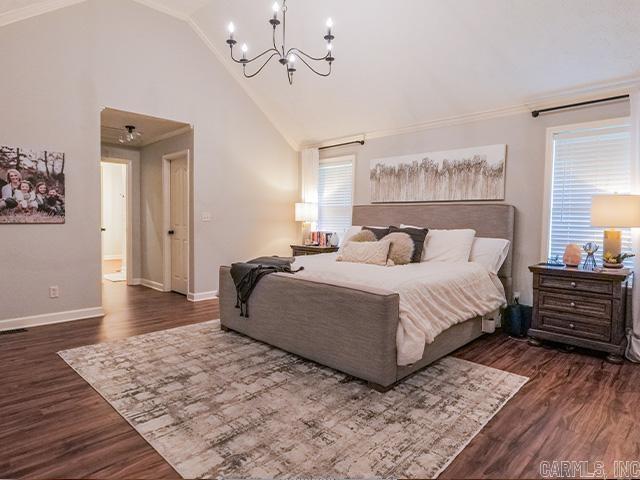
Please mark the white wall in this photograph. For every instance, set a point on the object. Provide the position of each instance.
(59, 70)
(114, 190)
(526, 140)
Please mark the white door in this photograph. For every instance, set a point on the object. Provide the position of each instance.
(179, 226)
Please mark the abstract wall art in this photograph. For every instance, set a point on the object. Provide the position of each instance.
(476, 173)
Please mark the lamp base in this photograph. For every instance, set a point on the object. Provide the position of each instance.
(612, 242)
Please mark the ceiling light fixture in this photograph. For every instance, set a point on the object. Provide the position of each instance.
(130, 135)
(286, 57)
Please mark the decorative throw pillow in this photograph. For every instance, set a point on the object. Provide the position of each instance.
(374, 253)
(417, 236)
(401, 250)
(379, 232)
(364, 236)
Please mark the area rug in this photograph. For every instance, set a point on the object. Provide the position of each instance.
(218, 404)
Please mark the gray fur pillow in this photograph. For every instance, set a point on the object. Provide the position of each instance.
(401, 250)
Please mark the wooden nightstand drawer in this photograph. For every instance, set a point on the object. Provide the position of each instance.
(575, 326)
(576, 304)
(576, 284)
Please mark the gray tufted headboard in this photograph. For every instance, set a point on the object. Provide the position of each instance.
(488, 220)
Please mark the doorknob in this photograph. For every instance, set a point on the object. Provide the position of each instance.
(103, 229)
(171, 232)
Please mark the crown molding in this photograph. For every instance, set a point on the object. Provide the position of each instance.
(163, 9)
(592, 91)
(166, 136)
(19, 14)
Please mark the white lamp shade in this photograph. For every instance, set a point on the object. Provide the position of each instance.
(306, 212)
(618, 211)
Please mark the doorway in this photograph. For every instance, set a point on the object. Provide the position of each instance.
(158, 156)
(175, 183)
(115, 220)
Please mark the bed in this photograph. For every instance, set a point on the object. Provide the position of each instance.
(354, 329)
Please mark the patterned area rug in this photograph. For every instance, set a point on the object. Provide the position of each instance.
(218, 404)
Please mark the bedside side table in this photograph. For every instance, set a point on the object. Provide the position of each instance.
(580, 308)
(301, 250)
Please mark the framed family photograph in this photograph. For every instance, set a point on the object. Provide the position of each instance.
(32, 186)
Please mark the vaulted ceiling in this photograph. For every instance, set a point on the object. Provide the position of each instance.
(413, 62)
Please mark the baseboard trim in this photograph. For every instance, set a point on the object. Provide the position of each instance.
(151, 284)
(112, 257)
(201, 296)
(51, 318)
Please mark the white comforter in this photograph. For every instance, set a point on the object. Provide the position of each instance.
(433, 295)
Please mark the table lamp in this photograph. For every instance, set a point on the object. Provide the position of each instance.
(612, 212)
(307, 213)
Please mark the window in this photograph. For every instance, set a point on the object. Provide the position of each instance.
(335, 194)
(586, 160)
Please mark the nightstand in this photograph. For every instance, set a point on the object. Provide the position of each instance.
(580, 308)
(299, 250)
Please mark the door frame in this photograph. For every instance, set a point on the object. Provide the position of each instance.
(129, 214)
(166, 217)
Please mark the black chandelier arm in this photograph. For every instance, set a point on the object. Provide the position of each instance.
(244, 71)
(300, 52)
(314, 70)
(249, 60)
(275, 47)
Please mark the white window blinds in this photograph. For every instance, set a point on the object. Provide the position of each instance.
(335, 195)
(586, 162)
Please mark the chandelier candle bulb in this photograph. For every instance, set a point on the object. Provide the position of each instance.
(276, 9)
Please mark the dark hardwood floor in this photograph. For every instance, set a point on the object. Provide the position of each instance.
(54, 425)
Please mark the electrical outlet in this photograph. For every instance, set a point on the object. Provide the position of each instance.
(206, 217)
(54, 291)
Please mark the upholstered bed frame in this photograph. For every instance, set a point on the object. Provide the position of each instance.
(352, 330)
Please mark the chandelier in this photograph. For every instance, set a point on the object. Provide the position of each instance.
(286, 57)
(130, 135)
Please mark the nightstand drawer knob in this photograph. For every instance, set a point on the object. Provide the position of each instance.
(573, 284)
(571, 325)
(573, 305)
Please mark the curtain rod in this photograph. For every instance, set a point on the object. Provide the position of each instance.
(361, 142)
(536, 113)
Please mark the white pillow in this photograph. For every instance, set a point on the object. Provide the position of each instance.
(351, 231)
(452, 246)
(490, 252)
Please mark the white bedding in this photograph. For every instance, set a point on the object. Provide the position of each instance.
(433, 295)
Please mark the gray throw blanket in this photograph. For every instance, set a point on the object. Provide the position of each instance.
(247, 274)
